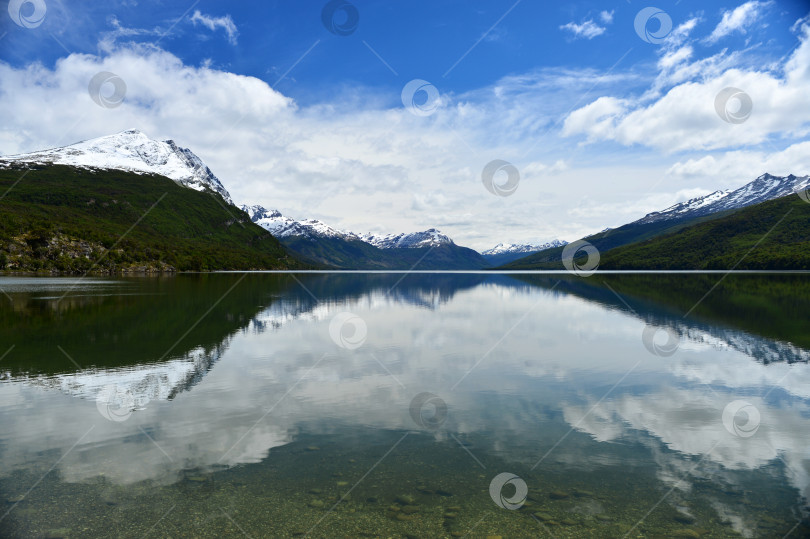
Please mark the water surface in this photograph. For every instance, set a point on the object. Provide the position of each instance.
(345, 405)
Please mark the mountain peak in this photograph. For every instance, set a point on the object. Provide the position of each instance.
(503, 248)
(281, 227)
(133, 151)
(765, 187)
(258, 211)
(426, 238)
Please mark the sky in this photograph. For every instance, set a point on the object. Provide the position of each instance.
(493, 121)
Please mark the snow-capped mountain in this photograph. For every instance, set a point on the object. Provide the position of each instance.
(504, 248)
(428, 238)
(131, 151)
(766, 187)
(281, 227)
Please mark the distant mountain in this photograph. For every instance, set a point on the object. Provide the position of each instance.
(766, 187)
(507, 252)
(281, 227)
(131, 151)
(427, 238)
(322, 244)
(774, 234)
(712, 206)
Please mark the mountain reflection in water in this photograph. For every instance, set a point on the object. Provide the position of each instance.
(546, 376)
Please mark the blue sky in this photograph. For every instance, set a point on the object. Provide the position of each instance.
(602, 125)
(418, 39)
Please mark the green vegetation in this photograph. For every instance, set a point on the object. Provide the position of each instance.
(130, 320)
(610, 239)
(63, 219)
(751, 238)
(773, 235)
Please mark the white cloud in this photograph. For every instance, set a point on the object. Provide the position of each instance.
(212, 23)
(368, 167)
(737, 20)
(536, 169)
(109, 38)
(588, 29)
(795, 159)
(675, 57)
(606, 16)
(362, 162)
(684, 118)
(682, 31)
(595, 119)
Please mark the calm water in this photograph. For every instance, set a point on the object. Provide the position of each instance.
(328, 405)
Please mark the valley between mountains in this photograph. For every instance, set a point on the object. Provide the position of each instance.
(127, 203)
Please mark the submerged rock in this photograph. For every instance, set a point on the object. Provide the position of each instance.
(405, 499)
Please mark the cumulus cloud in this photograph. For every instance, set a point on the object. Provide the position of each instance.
(685, 116)
(334, 161)
(737, 20)
(212, 23)
(587, 29)
(795, 159)
(362, 162)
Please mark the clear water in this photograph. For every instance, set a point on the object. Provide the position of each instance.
(237, 404)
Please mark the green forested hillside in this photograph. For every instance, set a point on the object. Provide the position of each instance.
(67, 219)
(715, 242)
(607, 240)
(770, 235)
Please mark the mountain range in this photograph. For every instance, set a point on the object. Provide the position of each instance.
(281, 227)
(766, 187)
(311, 240)
(507, 252)
(122, 157)
(319, 243)
(676, 219)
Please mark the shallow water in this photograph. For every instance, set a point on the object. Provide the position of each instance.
(249, 404)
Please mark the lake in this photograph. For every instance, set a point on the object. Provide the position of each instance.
(405, 405)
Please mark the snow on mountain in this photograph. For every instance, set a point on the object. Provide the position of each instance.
(131, 151)
(413, 240)
(766, 187)
(503, 248)
(280, 226)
